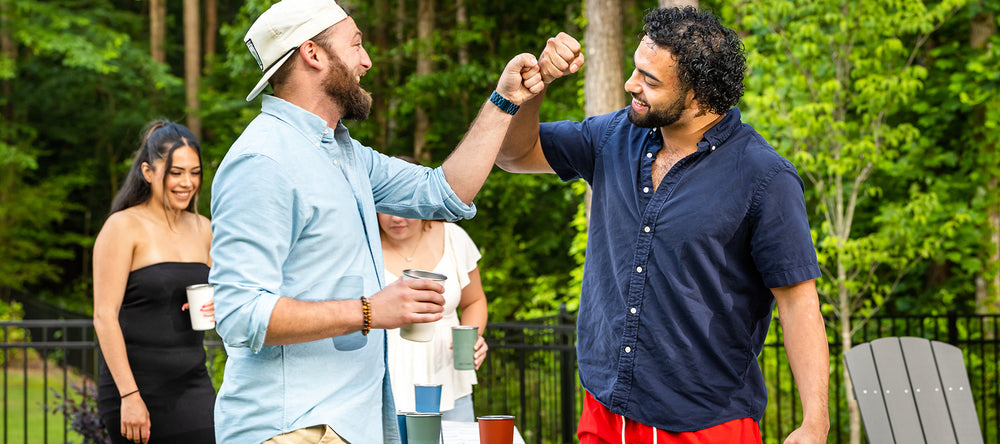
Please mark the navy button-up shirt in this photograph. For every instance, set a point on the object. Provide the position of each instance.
(676, 289)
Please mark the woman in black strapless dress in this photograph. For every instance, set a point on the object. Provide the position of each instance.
(153, 385)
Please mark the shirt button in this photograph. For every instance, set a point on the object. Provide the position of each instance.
(638, 269)
(334, 162)
(645, 189)
(713, 147)
(326, 131)
(646, 229)
(633, 310)
(650, 155)
(628, 349)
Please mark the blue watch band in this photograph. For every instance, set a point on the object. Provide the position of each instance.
(503, 103)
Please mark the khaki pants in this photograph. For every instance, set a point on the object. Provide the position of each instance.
(318, 434)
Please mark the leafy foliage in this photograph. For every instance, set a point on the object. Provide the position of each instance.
(852, 93)
(81, 410)
(830, 80)
(870, 99)
(75, 99)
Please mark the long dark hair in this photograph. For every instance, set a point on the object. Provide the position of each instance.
(161, 138)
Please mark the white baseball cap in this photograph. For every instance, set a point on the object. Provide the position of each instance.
(273, 38)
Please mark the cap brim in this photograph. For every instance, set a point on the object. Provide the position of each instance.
(267, 75)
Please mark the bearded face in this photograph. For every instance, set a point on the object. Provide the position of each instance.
(342, 86)
(658, 116)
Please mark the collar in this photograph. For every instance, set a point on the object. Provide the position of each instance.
(718, 134)
(311, 126)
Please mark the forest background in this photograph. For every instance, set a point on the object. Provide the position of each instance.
(889, 109)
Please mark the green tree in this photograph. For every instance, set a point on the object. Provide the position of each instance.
(956, 157)
(829, 79)
(75, 88)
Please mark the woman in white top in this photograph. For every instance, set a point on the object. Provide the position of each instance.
(446, 249)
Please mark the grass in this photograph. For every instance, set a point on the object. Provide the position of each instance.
(26, 395)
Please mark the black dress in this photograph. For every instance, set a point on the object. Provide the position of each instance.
(167, 357)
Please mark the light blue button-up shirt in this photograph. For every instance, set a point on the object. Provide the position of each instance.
(294, 207)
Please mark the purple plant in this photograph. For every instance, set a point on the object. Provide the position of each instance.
(82, 412)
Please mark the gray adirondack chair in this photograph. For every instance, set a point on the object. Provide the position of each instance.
(911, 391)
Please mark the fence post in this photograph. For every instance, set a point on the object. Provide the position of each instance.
(953, 327)
(567, 380)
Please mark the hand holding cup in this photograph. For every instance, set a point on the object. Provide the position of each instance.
(407, 301)
(200, 306)
(420, 332)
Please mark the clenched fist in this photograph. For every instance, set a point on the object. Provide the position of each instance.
(520, 79)
(562, 55)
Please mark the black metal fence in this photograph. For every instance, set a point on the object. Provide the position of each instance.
(530, 372)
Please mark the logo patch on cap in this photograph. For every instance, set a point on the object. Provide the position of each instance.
(256, 56)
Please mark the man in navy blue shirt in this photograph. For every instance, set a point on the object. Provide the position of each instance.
(697, 228)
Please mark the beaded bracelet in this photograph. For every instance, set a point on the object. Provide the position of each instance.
(130, 393)
(366, 314)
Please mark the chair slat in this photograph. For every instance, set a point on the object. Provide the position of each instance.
(867, 390)
(958, 392)
(899, 403)
(926, 391)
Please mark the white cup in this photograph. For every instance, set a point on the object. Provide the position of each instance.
(199, 295)
(421, 332)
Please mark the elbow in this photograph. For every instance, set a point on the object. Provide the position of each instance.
(524, 158)
(509, 163)
(104, 321)
(238, 329)
(504, 164)
(231, 332)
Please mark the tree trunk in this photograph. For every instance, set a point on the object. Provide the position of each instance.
(462, 25)
(603, 89)
(602, 40)
(397, 70)
(992, 300)
(380, 106)
(982, 27)
(192, 65)
(425, 42)
(9, 51)
(157, 30)
(844, 301)
(678, 3)
(211, 33)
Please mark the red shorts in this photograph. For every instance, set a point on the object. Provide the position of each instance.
(599, 426)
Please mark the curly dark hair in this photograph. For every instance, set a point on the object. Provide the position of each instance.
(711, 58)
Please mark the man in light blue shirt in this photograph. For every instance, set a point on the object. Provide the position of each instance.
(299, 296)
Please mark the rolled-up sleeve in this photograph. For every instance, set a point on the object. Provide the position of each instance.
(252, 226)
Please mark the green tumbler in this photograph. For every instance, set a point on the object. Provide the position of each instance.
(463, 346)
(423, 428)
